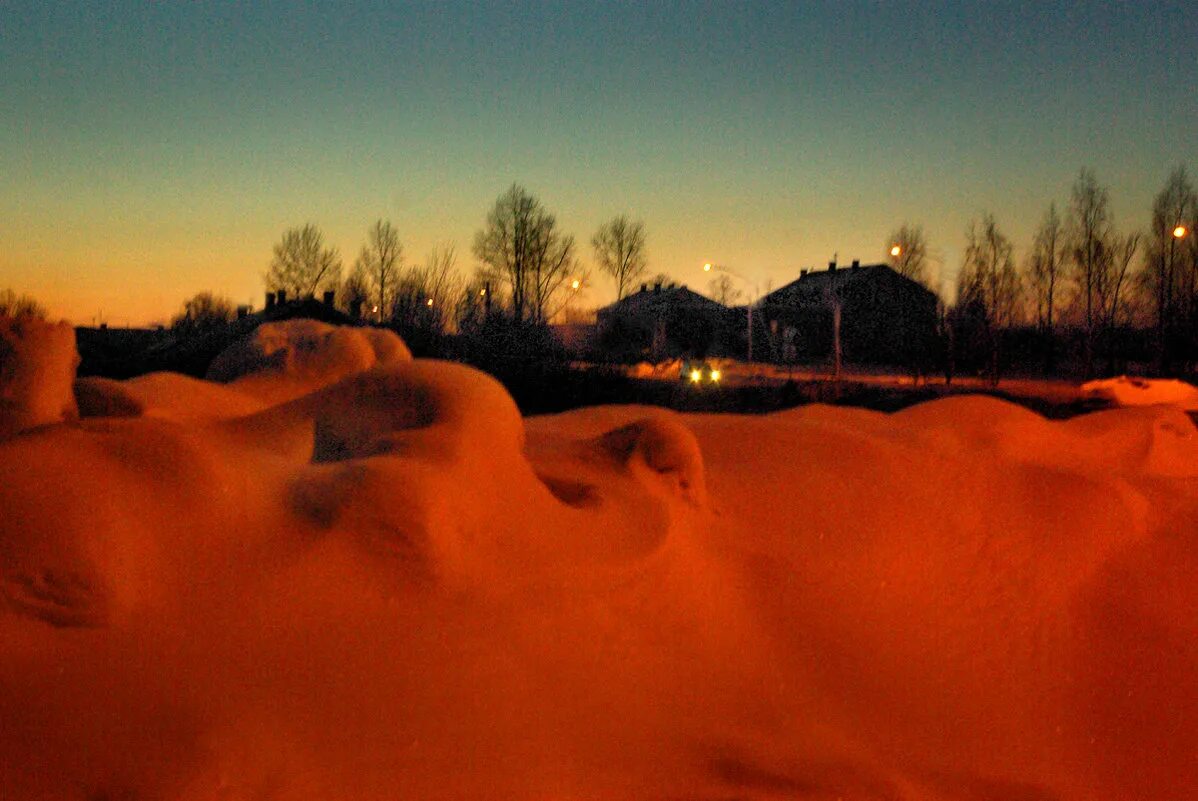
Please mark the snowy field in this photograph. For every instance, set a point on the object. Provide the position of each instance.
(333, 572)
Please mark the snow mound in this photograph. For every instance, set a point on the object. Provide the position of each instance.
(37, 366)
(1126, 391)
(286, 359)
(345, 574)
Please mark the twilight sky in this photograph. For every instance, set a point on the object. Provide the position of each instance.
(148, 152)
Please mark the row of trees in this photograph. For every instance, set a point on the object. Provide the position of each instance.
(1080, 272)
(526, 263)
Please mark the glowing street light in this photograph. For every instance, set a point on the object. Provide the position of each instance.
(428, 302)
(1179, 232)
(896, 251)
(707, 267)
(575, 284)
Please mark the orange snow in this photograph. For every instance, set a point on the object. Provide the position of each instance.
(340, 573)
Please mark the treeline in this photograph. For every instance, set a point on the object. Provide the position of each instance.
(528, 270)
(1086, 292)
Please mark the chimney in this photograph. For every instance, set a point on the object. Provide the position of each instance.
(832, 265)
(330, 295)
(243, 312)
(355, 309)
(657, 288)
(802, 273)
(644, 287)
(281, 297)
(270, 300)
(856, 263)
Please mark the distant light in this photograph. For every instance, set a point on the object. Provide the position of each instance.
(715, 375)
(482, 292)
(696, 376)
(895, 251)
(374, 310)
(1180, 231)
(574, 284)
(707, 267)
(429, 302)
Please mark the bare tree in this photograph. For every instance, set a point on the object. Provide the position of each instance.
(356, 293)
(379, 261)
(620, 250)
(13, 304)
(989, 282)
(302, 264)
(723, 290)
(1089, 234)
(1045, 276)
(1044, 267)
(912, 255)
(1171, 269)
(522, 246)
(1114, 280)
(429, 296)
(202, 312)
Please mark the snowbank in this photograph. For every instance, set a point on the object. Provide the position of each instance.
(1126, 391)
(366, 577)
(37, 366)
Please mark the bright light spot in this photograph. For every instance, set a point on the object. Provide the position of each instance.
(707, 268)
(374, 310)
(896, 250)
(575, 284)
(482, 292)
(715, 375)
(1180, 231)
(696, 376)
(429, 302)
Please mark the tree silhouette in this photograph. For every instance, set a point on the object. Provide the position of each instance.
(379, 263)
(302, 264)
(1171, 268)
(912, 253)
(1089, 232)
(203, 312)
(723, 290)
(13, 304)
(989, 284)
(522, 246)
(620, 250)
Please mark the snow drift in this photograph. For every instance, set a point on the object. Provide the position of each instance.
(334, 572)
(1126, 391)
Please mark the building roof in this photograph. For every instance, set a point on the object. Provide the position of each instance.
(651, 299)
(813, 286)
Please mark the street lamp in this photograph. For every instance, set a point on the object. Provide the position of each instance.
(896, 251)
(709, 267)
(1165, 298)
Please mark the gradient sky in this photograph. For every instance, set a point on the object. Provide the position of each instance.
(148, 152)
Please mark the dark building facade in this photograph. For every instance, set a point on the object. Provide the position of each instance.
(661, 321)
(885, 318)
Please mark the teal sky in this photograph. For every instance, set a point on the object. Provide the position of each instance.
(148, 152)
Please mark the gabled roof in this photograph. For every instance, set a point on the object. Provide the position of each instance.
(813, 286)
(652, 299)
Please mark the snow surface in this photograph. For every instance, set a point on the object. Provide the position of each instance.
(345, 574)
(1145, 391)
